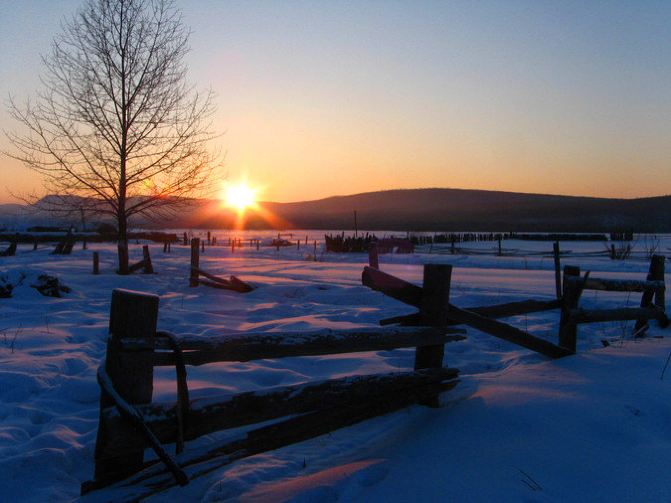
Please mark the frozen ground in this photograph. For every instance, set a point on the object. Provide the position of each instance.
(595, 427)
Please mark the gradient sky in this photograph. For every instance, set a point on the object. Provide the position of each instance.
(320, 98)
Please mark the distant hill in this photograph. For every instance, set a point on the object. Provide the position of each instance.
(429, 210)
(457, 209)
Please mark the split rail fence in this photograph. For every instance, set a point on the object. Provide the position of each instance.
(129, 420)
(484, 318)
(211, 280)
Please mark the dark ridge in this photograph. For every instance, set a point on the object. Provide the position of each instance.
(428, 210)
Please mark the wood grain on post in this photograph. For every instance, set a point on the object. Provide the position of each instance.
(373, 259)
(568, 331)
(195, 262)
(655, 273)
(557, 263)
(148, 268)
(132, 315)
(433, 311)
(96, 263)
(658, 275)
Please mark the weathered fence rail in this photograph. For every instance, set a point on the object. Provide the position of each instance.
(144, 264)
(10, 251)
(129, 421)
(238, 347)
(232, 283)
(652, 301)
(483, 317)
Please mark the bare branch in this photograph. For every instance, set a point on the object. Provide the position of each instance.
(117, 127)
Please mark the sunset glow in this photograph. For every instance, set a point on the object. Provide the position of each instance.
(334, 98)
(240, 197)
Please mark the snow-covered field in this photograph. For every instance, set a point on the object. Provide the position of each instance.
(594, 427)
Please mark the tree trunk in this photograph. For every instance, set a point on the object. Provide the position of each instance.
(122, 242)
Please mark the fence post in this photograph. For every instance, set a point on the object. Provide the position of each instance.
(195, 262)
(148, 268)
(655, 273)
(555, 253)
(96, 263)
(202, 246)
(373, 259)
(132, 315)
(568, 332)
(433, 312)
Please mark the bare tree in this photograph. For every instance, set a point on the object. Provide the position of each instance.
(117, 129)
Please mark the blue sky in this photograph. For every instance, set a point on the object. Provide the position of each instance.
(322, 98)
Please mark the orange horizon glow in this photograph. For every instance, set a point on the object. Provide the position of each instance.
(318, 99)
(240, 197)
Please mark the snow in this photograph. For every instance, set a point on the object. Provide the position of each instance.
(594, 427)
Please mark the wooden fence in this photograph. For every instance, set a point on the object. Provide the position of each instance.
(484, 319)
(232, 283)
(10, 251)
(129, 421)
(652, 289)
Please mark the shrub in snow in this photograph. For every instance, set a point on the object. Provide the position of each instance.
(50, 286)
(5, 288)
(7, 285)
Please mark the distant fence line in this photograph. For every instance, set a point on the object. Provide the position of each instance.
(23, 237)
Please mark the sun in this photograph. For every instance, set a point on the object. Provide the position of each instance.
(240, 197)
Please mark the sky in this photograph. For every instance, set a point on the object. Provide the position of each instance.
(321, 98)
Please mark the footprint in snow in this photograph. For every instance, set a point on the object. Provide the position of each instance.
(634, 410)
